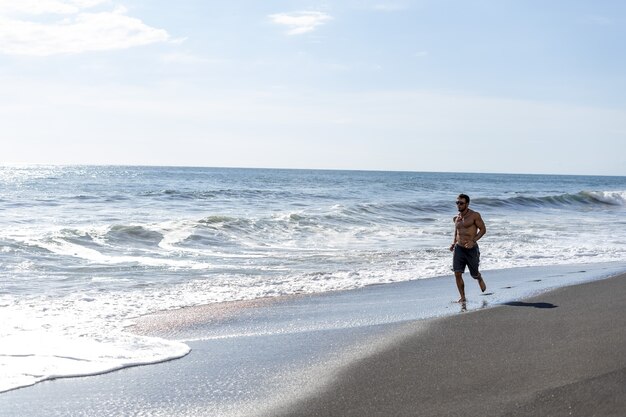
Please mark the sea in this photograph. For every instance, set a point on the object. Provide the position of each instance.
(86, 250)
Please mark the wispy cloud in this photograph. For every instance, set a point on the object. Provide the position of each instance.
(26, 28)
(300, 22)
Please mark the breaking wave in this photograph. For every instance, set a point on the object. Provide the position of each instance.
(582, 198)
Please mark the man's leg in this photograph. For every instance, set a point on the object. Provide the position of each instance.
(460, 285)
(474, 261)
(482, 284)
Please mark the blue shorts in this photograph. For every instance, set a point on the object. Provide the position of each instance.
(466, 257)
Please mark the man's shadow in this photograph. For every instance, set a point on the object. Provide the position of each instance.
(535, 305)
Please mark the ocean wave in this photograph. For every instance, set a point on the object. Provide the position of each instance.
(180, 195)
(133, 234)
(216, 220)
(614, 198)
(189, 242)
(582, 198)
(244, 194)
(344, 217)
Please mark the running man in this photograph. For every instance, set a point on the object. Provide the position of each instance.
(468, 228)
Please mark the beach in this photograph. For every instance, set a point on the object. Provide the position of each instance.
(558, 353)
(171, 291)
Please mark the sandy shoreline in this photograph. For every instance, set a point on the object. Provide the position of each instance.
(562, 353)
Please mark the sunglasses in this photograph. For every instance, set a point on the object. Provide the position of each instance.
(460, 203)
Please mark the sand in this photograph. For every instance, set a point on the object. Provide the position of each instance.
(562, 353)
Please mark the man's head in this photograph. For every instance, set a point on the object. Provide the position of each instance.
(462, 201)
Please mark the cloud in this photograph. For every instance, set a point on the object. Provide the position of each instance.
(300, 22)
(23, 31)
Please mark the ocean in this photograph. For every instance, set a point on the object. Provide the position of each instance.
(86, 250)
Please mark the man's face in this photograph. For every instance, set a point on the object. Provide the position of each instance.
(461, 204)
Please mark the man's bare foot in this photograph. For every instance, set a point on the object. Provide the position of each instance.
(482, 284)
(462, 300)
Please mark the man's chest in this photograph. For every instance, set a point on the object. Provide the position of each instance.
(465, 222)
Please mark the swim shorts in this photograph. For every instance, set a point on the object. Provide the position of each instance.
(466, 257)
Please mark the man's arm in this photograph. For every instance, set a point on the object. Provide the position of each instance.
(482, 229)
(456, 231)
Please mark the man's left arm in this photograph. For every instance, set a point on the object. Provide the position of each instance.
(482, 229)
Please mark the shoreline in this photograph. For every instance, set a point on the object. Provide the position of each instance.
(303, 362)
(508, 284)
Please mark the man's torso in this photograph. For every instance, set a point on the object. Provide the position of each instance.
(466, 226)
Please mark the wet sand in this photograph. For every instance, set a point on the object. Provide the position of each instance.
(562, 353)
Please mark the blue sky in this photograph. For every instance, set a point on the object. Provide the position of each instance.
(472, 86)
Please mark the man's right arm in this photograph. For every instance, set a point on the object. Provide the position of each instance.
(454, 239)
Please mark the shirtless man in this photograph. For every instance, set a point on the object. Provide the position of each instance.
(468, 228)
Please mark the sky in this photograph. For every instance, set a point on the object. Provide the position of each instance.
(527, 86)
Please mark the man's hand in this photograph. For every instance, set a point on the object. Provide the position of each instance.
(469, 244)
(452, 247)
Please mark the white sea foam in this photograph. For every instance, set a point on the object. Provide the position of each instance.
(174, 233)
(609, 197)
(34, 356)
(56, 241)
(62, 247)
(47, 340)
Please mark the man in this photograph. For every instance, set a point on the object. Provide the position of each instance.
(469, 227)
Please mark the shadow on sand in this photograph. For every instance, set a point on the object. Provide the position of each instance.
(536, 305)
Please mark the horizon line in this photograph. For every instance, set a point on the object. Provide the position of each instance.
(27, 165)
